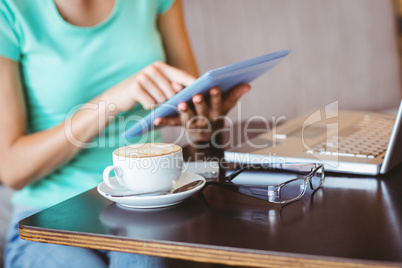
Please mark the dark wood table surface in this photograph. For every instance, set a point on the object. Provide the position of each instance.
(353, 221)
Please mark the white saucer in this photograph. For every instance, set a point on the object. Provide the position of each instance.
(152, 201)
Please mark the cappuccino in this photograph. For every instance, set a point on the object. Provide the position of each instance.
(145, 168)
(147, 150)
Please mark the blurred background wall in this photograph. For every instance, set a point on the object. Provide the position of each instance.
(342, 50)
(398, 9)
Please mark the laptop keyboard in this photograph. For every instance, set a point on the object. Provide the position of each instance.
(367, 139)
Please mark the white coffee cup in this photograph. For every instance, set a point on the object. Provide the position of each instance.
(145, 168)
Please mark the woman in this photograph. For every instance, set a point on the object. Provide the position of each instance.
(67, 70)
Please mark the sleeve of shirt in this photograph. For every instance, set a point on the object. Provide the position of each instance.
(9, 45)
(164, 5)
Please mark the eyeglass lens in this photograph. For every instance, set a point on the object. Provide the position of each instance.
(295, 188)
(292, 189)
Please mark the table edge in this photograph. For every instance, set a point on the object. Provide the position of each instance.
(191, 252)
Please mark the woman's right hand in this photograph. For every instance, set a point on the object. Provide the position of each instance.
(59, 144)
(153, 85)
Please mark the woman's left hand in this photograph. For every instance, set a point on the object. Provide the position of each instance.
(206, 118)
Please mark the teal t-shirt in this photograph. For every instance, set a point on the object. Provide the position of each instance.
(64, 66)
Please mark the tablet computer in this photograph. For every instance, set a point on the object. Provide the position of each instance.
(225, 78)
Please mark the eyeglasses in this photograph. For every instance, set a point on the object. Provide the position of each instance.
(310, 175)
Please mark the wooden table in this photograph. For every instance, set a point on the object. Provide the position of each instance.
(354, 221)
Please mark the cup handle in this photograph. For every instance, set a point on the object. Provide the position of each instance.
(119, 173)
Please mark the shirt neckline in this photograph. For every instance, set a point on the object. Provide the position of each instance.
(61, 20)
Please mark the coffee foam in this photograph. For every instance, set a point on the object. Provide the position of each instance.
(147, 150)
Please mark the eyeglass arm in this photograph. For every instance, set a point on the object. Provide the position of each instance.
(260, 192)
(302, 169)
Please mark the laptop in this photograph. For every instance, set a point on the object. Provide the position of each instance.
(356, 142)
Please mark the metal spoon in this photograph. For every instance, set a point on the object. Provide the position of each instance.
(184, 188)
(188, 186)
